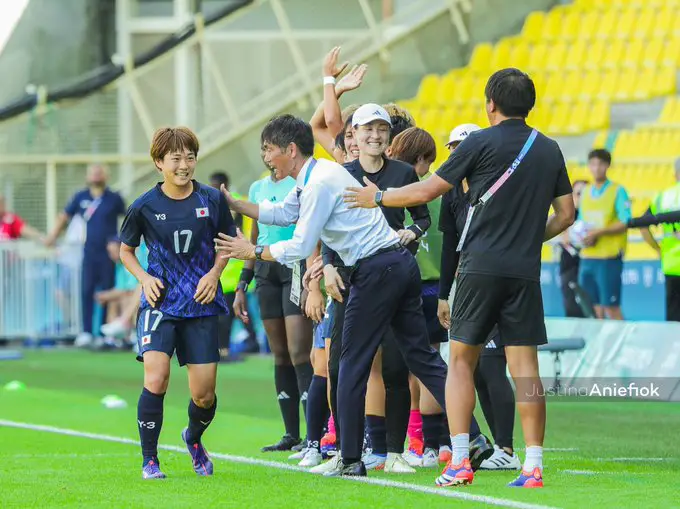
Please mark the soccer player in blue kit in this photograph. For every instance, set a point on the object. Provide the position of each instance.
(182, 298)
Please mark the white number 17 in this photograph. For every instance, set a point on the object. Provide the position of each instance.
(187, 240)
(147, 319)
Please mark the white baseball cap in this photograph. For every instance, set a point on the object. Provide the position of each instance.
(461, 132)
(368, 113)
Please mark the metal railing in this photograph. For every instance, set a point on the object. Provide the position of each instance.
(40, 295)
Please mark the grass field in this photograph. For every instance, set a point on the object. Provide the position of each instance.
(594, 460)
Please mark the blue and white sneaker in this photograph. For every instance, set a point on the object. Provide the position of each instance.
(374, 461)
(152, 470)
(199, 456)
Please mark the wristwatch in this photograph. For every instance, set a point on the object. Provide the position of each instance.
(242, 285)
(258, 252)
(379, 197)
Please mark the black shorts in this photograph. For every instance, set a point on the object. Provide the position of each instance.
(481, 301)
(272, 287)
(196, 340)
(435, 332)
(493, 346)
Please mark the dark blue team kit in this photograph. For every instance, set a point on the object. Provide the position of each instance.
(179, 235)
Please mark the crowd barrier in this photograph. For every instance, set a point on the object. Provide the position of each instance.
(39, 291)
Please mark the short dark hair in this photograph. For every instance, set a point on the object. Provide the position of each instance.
(413, 143)
(168, 140)
(512, 91)
(285, 129)
(220, 177)
(602, 154)
(340, 141)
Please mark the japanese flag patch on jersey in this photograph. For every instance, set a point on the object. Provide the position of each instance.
(146, 340)
(202, 212)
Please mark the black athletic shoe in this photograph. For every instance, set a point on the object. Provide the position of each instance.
(480, 450)
(286, 443)
(356, 469)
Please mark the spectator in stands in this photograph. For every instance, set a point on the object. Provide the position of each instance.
(669, 249)
(570, 260)
(100, 208)
(13, 227)
(603, 213)
(229, 279)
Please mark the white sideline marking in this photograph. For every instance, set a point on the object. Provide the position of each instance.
(634, 459)
(442, 492)
(582, 472)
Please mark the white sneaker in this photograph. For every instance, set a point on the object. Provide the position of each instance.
(412, 458)
(374, 461)
(115, 329)
(430, 458)
(501, 460)
(83, 339)
(312, 458)
(396, 464)
(298, 455)
(329, 466)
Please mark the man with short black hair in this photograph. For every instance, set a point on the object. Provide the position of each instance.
(385, 279)
(500, 261)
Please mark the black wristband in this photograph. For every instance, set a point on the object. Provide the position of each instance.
(247, 275)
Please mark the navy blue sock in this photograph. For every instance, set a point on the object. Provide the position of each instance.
(317, 410)
(432, 430)
(199, 420)
(150, 421)
(378, 433)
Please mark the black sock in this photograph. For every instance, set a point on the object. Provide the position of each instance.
(150, 421)
(432, 430)
(289, 398)
(445, 437)
(378, 433)
(304, 373)
(317, 411)
(199, 420)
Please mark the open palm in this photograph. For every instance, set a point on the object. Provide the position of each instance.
(353, 79)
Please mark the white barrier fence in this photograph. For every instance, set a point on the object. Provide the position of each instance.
(39, 291)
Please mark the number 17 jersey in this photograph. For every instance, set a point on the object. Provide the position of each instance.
(179, 235)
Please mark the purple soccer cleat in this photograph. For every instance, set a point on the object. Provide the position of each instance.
(199, 456)
(152, 470)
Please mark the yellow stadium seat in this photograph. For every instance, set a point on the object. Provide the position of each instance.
(596, 54)
(501, 54)
(608, 85)
(556, 56)
(463, 90)
(589, 25)
(614, 55)
(664, 23)
(652, 53)
(446, 90)
(643, 84)
(575, 55)
(577, 118)
(430, 120)
(533, 26)
(552, 24)
(477, 91)
(538, 55)
(553, 90)
(622, 145)
(632, 56)
(519, 55)
(481, 58)
(626, 21)
(571, 91)
(670, 57)
(607, 25)
(626, 85)
(428, 88)
(668, 112)
(570, 25)
(560, 119)
(600, 138)
(644, 23)
(591, 85)
(665, 82)
(599, 115)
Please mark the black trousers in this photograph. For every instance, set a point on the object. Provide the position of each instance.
(385, 291)
(673, 298)
(571, 307)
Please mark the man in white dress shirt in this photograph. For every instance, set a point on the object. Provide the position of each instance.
(385, 277)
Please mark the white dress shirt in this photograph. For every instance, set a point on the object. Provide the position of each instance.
(319, 210)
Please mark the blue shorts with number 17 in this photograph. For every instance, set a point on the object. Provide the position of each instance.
(195, 340)
(323, 329)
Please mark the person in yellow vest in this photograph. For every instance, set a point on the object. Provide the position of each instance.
(229, 279)
(669, 248)
(603, 214)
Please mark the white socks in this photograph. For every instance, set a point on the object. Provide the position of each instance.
(460, 445)
(534, 458)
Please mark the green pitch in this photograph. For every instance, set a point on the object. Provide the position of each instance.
(64, 390)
